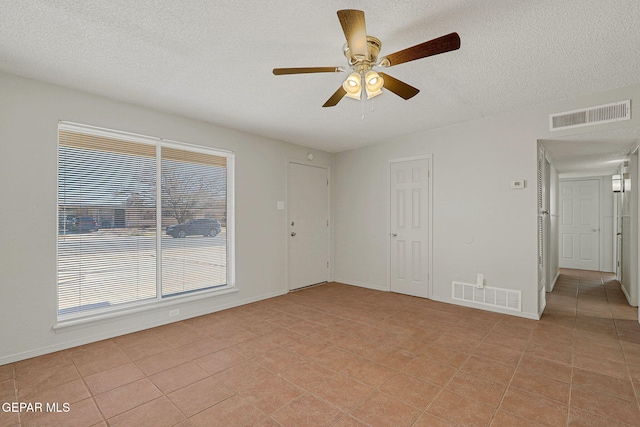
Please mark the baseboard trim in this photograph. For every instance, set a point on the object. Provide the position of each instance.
(624, 291)
(555, 279)
(112, 334)
(361, 285)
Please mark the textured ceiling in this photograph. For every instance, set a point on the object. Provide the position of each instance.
(212, 60)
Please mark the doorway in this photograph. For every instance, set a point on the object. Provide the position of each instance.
(308, 225)
(580, 224)
(410, 225)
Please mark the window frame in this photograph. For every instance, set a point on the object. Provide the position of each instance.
(160, 301)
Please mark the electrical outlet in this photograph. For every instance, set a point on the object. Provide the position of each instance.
(174, 312)
(480, 280)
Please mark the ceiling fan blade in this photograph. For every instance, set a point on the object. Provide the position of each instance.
(336, 97)
(355, 31)
(432, 47)
(304, 70)
(399, 87)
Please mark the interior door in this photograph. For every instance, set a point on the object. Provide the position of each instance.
(409, 251)
(308, 225)
(579, 224)
(543, 227)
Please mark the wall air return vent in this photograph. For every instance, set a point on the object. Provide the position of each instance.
(615, 112)
(496, 297)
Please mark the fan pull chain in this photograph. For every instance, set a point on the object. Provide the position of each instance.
(362, 103)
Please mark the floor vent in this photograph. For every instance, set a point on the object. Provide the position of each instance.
(615, 112)
(495, 297)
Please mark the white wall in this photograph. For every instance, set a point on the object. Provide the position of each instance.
(473, 164)
(29, 114)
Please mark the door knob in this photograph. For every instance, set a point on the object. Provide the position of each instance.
(394, 234)
(293, 234)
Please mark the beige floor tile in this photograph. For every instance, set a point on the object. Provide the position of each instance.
(368, 372)
(307, 411)
(604, 366)
(220, 360)
(278, 360)
(411, 390)
(555, 370)
(477, 388)
(461, 410)
(255, 346)
(429, 420)
(487, 369)
(505, 419)
(234, 411)
(113, 378)
(542, 385)
(500, 354)
(199, 396)
(161, 361)
(271, 394)
(42, 379)
(581, 418)
(80, 414)
(534, 407)
(243, 375)
(157, 413)
(605, 405)
(178, 377)
(348, 421)
(126, 397)
(307, 375)
(617, 387)
(342, 392)
(383, 410)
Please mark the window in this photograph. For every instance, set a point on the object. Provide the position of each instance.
(139, 220)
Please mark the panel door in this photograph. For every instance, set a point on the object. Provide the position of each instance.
(308, 225)
(409, 252)
(579, 224)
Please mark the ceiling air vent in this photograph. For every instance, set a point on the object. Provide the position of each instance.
(591, 116)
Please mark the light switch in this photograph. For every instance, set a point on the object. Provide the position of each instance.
(280, 205)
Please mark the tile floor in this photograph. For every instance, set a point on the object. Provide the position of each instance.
(337, 355)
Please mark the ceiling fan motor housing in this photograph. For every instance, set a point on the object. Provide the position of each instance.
(359, 63)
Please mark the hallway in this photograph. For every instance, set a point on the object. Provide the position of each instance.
(589, 325)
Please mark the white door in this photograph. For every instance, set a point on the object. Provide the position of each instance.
(579, 224)
(543, 228)
(410, 227)
(308, 225)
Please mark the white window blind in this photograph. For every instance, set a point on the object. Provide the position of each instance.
(194, 193)
(117, 246)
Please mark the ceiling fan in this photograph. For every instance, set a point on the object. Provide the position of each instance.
(362, 51)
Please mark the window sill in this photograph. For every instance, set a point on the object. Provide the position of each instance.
(155, 305)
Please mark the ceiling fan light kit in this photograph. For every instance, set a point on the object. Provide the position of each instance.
(353, 85)
(362, 52)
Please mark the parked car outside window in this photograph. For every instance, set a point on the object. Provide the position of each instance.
(195, 227)
(81, 224)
